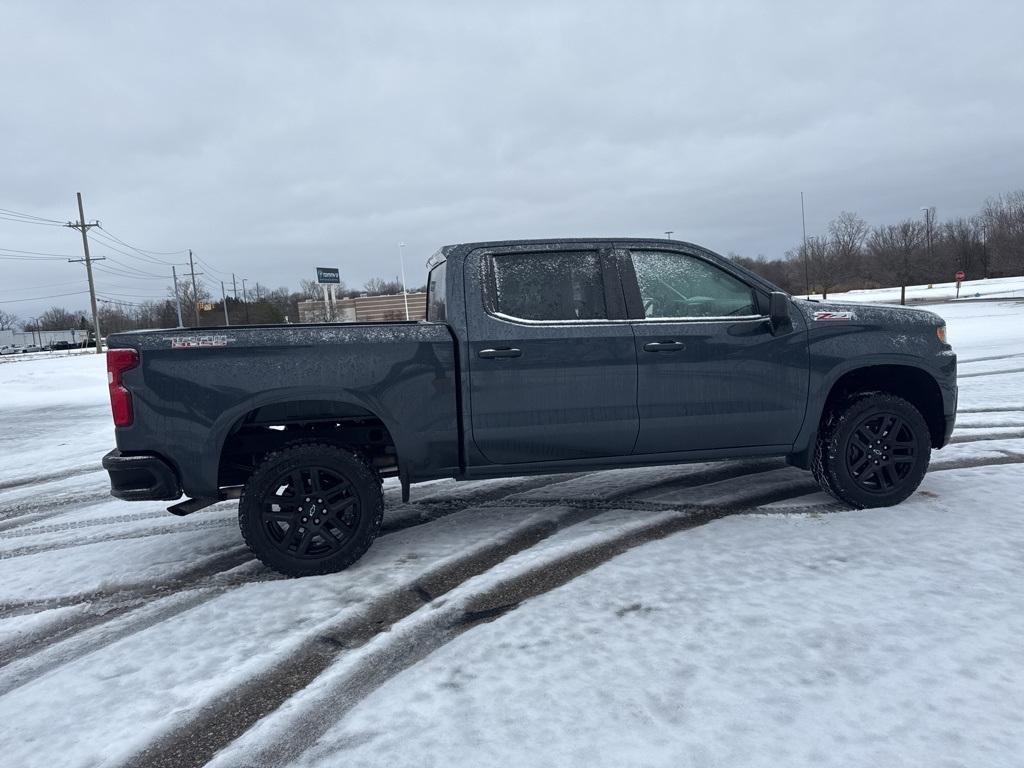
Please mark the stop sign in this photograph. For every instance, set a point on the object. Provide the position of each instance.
(960, 276)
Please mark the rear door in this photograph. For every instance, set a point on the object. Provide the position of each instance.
(551, 355)
(711, 375)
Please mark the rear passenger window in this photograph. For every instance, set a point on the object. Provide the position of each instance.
(548, 286)
(437, 293)
(676, 285)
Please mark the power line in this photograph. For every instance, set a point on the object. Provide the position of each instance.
(211, 267)
(54, 256)
(135, 270)
(8, 257)
(40, 298)
(9, 212)
(30, 221)
(37, 287)
(133, 276)
(129, 254)
(142, 250)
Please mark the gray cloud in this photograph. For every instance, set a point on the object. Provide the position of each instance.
(275, 137)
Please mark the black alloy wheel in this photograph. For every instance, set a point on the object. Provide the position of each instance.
(310, 512)
(873, 450)
(311, 509)
(881, 452)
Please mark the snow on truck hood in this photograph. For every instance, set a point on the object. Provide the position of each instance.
(873, 314)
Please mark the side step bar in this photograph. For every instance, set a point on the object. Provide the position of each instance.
(188, 506)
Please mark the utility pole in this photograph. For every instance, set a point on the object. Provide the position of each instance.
(929, 213)
(84, 229)
(234, 286)
(224, 301)
(195, 292)
(177, 297)
(668, 233)
(807, 272)
(245, 300)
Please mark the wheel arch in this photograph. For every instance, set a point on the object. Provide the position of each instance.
(903, 377)
(913, 383)
(315, 410)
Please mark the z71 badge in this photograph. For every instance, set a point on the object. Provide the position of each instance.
(193, 342)
(834, 315)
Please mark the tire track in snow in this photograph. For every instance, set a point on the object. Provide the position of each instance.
(215, 726)
(15, 515)
(104, 606)
(1006, 457)
(404, 646)
(142, 533)
(989, 373)
(130, 594)
(992, 409)
(970, 360)
(39, 480)
(109, 611)
(1007, 433)
(438, 507)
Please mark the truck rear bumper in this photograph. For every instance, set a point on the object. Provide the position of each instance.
(141, 477)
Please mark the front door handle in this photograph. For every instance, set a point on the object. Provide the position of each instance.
(664, 346)
(502, 352)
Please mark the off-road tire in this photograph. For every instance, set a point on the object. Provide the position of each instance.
(841, 436)
(352, 477)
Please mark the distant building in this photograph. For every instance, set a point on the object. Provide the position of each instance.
(365, 309)
(45, 338)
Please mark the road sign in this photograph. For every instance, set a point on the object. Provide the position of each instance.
(328, 275)
(960, 276)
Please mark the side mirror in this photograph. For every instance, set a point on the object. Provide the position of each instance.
(778, 312)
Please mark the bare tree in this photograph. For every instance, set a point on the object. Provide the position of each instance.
(190, 298)
(377, 286)
(961, 245)
(847, 233)
(821, 261)
(1003, 217)
(8, 320)
(897, 249)
(56, 319)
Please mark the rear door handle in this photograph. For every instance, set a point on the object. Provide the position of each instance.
(502, 352)
(664, 346)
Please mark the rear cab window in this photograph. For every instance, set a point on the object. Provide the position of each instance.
(437, 294)
(555, 286)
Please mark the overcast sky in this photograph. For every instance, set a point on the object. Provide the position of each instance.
(274, 138)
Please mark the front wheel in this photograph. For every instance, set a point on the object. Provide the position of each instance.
(311, 509)
(873, 450)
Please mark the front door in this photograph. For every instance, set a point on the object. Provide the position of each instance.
(553, 375)
(711, 375)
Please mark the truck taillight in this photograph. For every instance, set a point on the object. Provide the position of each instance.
(119, 361)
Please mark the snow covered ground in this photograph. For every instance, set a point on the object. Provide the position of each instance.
(713, 614)
(993, 288)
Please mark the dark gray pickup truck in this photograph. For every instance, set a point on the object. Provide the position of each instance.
(536, 357)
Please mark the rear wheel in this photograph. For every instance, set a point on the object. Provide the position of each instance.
(873, 450)
(311, 509)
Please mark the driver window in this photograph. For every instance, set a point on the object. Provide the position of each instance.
(676, 285)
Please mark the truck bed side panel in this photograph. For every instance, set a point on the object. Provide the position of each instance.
(193, 386)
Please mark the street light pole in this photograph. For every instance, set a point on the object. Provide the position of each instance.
(807, 271)
(405, 290)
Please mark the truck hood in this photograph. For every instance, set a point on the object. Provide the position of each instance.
(821, 312)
